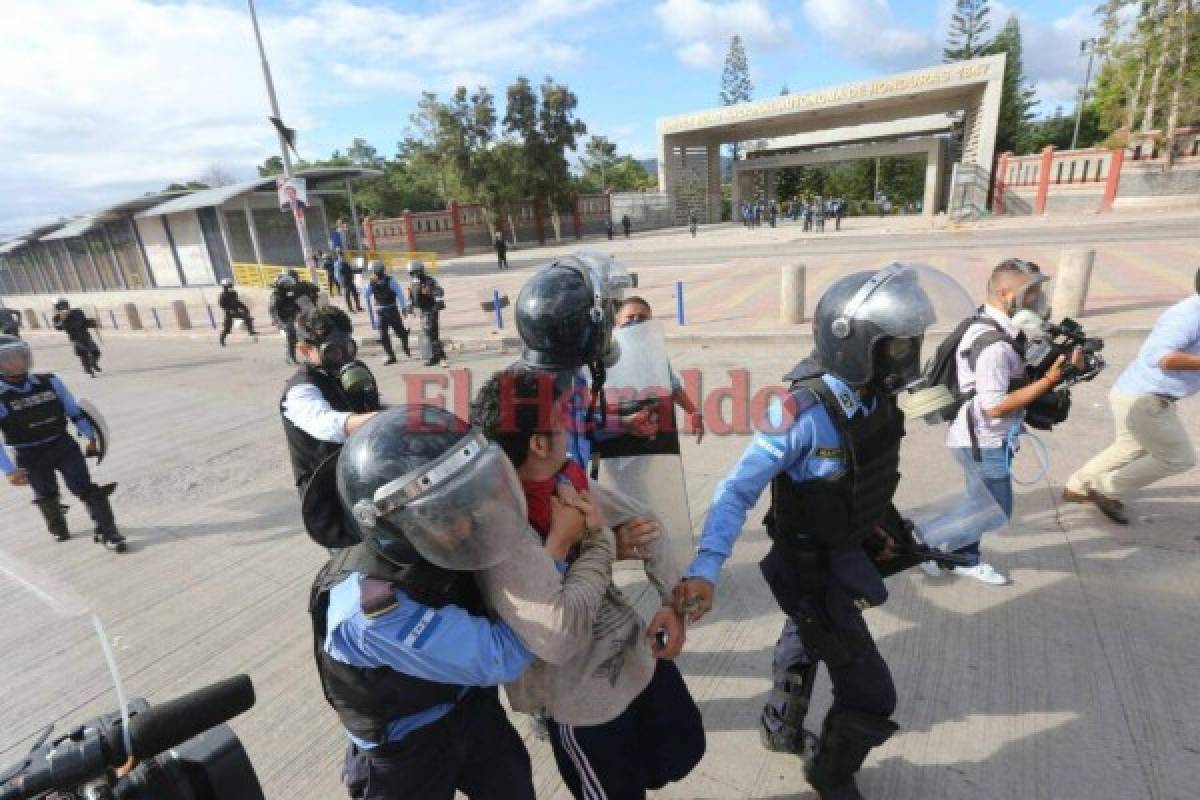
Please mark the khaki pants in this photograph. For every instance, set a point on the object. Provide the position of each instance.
(1151, 444)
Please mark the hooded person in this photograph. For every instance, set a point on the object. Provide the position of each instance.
(831, 458)
(405, 649)
(34, 410)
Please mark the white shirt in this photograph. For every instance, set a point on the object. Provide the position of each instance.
(304, 407)
(998, 365)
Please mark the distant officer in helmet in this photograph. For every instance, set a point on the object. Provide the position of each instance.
(290, 296)
(833, 469)
(34, 410)
(77, 326)
(390, 304)
(10, 322)
(426, 295)
(406, 652)
(329, 397)
(234, 308)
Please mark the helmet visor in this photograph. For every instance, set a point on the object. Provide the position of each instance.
(909, 300)
(15, 357)
(464, 512)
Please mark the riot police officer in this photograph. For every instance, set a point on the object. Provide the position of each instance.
(234, 308)
(390, 303)
(329, 397)
(10, 322)
(34, 409)
(405, 650)
(426, 295)
(77, 326)
(833, 470)
(290, 297)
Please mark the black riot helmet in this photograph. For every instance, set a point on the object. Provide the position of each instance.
(868, 326)
(16, 359)
(226, 283)
(561, 317)
(61, 304)
(378, 268)
(422, 484)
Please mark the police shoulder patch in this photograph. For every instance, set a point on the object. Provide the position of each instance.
(827, 452)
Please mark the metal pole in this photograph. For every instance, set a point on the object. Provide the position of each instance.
(496, 307)
(358, 245)
(301, 227)
(679, 316)
(1090, 46)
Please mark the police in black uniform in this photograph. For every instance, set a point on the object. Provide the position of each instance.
(426, 294)
(234, 308)
(10, 322)
(405, 650)
(34, 409)
(329, 397)
(833, 471)
(390, 302)
(77, 326)
(291, 296)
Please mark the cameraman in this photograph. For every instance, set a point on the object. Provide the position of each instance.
(1151, 441)
(991, 374)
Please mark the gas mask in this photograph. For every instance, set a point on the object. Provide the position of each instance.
(896, 363)
(338, 359)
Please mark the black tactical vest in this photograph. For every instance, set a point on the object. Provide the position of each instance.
(368, 699)
(306, 452)
(383, 294)
(33, 416)
(841, 511)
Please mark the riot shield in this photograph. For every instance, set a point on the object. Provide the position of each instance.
(649, 469)
(99, 424)
(326, 522)
(425, 343)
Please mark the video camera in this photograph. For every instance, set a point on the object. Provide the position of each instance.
(181, 749)
(1062, 340)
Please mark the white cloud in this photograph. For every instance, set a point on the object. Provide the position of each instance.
(125, 96)
(1051, 52)
(867, 30)
(702, 28)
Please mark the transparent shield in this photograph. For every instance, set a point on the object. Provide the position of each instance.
(55, 657)
(911, 300)
(471, 520)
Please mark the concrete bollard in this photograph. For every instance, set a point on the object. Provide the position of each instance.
(791, 293)
(1072, 281)
(31, 319)
(182, 320)
(135, 319)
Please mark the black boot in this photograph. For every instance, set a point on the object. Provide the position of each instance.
(404, 345)
(102, 514)
(846, 738)
(222, 339)
(54, 512)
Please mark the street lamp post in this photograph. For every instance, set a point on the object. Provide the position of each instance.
(297, 213)
(1086, 46)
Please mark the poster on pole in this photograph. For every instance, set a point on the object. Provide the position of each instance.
(293, 194)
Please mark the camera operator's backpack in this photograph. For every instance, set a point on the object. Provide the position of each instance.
(942, 368)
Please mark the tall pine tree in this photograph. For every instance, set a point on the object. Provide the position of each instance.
(1016, 102)
(736, 86)
(968, 31)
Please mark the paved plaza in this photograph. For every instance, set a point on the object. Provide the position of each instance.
(1078, 681)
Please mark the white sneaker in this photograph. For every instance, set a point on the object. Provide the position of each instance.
(932, 569)
(984, 573)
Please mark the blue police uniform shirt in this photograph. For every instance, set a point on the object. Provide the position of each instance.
(68, 400)
(809, 449)
(1176, 331)
(401, 296)
(447, 645)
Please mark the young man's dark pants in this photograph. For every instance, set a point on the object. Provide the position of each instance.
(658, 739)
(352, 302)
(474, 749)
(389, 320)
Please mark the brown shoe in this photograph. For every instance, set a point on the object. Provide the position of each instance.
(1075, 497)
(1110, 507)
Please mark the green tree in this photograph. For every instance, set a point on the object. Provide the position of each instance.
(546, 126)
(1017, 99)
(599, 156)
(628, 175)
(272, 166)
(968, 31)
(736, 86)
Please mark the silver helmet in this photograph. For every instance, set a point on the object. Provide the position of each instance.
(868, 326)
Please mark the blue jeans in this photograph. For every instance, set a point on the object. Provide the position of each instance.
(995, 470)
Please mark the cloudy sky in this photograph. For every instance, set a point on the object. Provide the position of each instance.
(106, 99)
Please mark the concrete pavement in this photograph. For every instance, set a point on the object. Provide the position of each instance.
(1078, 681)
